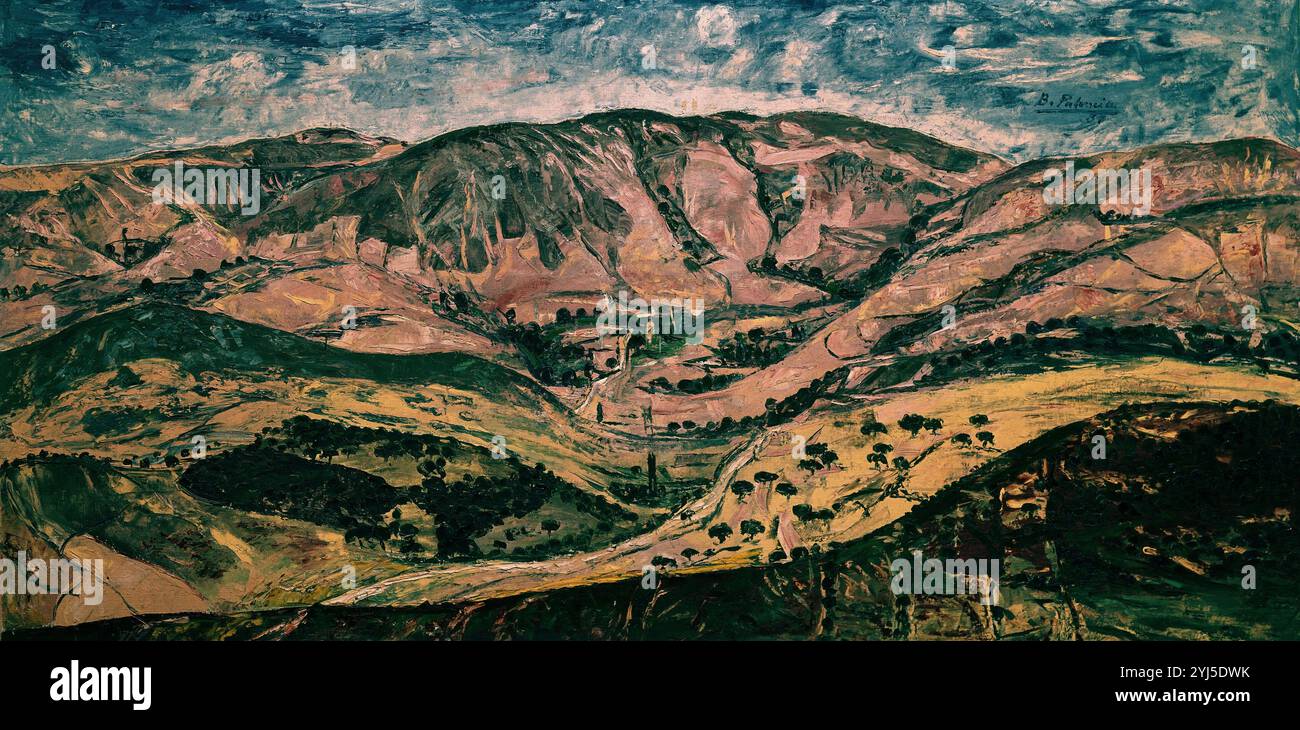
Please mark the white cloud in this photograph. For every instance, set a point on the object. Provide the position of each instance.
(716, 26)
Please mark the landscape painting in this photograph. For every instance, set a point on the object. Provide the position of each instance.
(662, 320)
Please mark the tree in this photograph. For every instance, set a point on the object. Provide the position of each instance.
(985, 437)
(882, 448)
(146, 285)
(933, 425)
(689, 553)
(880, 460)
(901, 464)
(742, 489)
(786, 489)
(600, 413)
(550, 526)
(962, 439)
(871, 428)
(720, 532)
(171, 460)
(810, 465)
(765, 477)
(912, 423)
(979, 419)
(750, 528)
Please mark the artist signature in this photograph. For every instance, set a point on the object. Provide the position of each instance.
(1093, 108)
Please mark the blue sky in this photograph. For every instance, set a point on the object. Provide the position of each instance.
(131, 75)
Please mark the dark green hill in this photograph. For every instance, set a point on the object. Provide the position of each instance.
(202, 342)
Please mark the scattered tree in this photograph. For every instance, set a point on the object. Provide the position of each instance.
(871, 428)
(912, 423)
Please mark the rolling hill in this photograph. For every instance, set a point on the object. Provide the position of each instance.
(390, 305)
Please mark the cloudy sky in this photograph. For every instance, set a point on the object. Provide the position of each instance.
(131, 75)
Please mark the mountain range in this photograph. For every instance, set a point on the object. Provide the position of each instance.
(387, 390)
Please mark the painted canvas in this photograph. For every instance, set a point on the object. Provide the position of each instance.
(899, 319)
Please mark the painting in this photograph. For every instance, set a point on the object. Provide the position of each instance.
(650, 320)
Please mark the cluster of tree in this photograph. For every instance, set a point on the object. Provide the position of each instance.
(703, 384)
(875, 276)
(48, 457)
(964, 440)
(548, 356)
(259, 479)
(576, 541)
(565, 318)
(757, 348)
(806, 513)
(467, 509)
(810, 275)
(873, 428)
(817, 457)
(777, 412)
(130, 251)
(1026, 352)
(318, 438)
(880, 454)
(663, 493)
(21, 292)
(913, 423)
